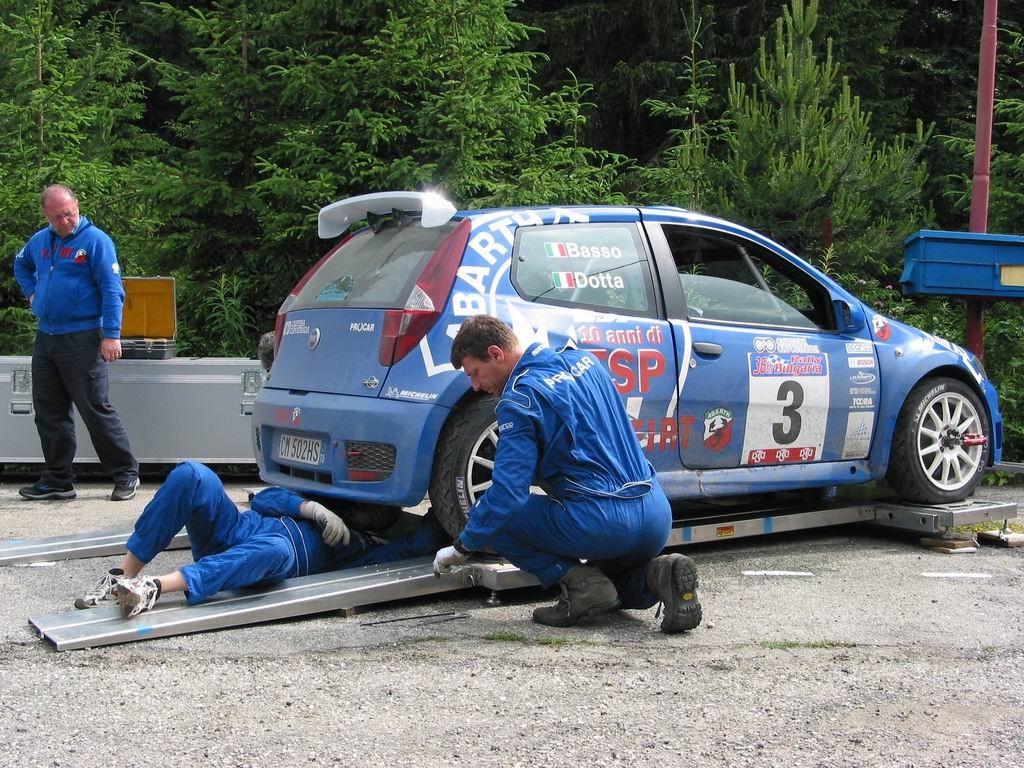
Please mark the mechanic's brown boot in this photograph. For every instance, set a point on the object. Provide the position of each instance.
(673, 578)
(585, 592)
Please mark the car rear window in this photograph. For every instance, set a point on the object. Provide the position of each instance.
(601, 266)
(374, 270)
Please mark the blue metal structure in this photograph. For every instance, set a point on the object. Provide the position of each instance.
(973, 264)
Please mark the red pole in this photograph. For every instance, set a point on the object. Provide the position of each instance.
(982, 159)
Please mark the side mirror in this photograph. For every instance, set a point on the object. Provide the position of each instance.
(849, 317)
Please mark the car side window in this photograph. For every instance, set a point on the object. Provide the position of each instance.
(727, 279)
(600, 266)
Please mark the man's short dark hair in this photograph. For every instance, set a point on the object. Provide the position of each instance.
(477, 334)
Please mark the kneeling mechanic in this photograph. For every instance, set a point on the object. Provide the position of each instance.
(562, 426)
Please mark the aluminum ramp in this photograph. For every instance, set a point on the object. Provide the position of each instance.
(294, 597)
(73, 547)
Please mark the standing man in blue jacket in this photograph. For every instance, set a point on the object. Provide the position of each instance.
(562, 426)
(69, 273)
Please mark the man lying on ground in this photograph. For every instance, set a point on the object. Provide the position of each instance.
(281, 537)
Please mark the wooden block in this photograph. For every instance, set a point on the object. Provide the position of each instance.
(350, 613)
(1002, 539)
(947, 543)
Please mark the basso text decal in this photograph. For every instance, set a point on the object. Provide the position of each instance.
(570, 250)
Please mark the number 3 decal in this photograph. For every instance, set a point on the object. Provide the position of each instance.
(792, 395)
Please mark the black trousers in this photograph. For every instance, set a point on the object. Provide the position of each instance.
(68, 369)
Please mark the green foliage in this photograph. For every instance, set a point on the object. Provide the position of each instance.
(223, 323)
(801, 151)
(286, 107)
(202, 182)
(17, 330)
(684, 170)
(793, 150)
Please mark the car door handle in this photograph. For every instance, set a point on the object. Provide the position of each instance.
(707, 348)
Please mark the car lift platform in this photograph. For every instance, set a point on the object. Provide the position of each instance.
(302, 596)
(369, 585)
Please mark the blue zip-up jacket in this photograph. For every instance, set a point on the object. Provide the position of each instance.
(76, 281)
(561, 425)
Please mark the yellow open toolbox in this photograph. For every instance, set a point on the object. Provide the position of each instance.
(150, 319)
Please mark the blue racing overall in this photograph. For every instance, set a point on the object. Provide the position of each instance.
(265, 544)
(562, 426)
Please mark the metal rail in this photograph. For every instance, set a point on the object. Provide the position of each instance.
(80, 545)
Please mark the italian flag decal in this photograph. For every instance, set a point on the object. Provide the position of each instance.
(556, 250)
(562, 279)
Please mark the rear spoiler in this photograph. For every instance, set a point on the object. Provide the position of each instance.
(336, 217)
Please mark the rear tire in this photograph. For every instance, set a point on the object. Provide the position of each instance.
(930, 462)
(463, 462)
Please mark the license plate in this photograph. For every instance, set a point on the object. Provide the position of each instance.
(302, 450)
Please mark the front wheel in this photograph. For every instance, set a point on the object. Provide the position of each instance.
(940, 447)
(463, 462)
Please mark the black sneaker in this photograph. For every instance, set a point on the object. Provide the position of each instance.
(43, 490)
(124, 489)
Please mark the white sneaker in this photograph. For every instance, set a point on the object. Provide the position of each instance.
(136, 595)
(102, 592)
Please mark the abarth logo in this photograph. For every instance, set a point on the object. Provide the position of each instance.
(881, 327)
(296, 416)
(717, 428)
(81, 256)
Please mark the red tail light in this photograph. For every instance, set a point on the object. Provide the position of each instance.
(404, 328)
(282, 312)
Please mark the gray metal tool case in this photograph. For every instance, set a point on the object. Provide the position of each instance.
(180, 408)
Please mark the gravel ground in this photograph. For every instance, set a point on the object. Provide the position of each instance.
(865, 663)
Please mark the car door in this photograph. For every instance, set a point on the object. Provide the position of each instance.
(768, 378)
(591, 285)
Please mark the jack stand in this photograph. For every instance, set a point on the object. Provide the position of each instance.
(1005, 537)
(493, 601)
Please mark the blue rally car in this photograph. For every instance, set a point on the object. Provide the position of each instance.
(745, 369)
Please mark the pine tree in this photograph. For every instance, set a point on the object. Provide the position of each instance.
(682, 172)
(441, 94)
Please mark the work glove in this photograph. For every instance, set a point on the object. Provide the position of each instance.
(446, 558)
(333, 528)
